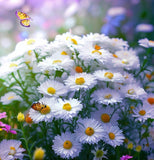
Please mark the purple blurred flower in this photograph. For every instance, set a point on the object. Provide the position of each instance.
(114, 18)
(112, 24)
(126, 157)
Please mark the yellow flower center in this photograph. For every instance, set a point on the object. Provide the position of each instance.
(39, 154)
(142, 112)
(96, 51)
(147, 87)
(0, 129)
(105, 118)
(111, 135)
(13, 65)
(151, 41)
(78, 69)
(132, 107)
(67, 144)
(138, 148)
(97, 47)
(150, 100)
(126, 76)
(89, 131)
(63, 53)
(27, 62)
(31, 68)
(51, 90)
(109, 75)
(149, 76)
(115, 56)
(124, 61)
(126, 140)
(45, 110)
(12, 151)
(80, 81)
(130, 146)
(10, 97)
(108, 96)
(56, 61)
(30, 52)
(46, 72)
(74, 41)
(131, 91)
(99, 154)
(67, 107)
(30, 41)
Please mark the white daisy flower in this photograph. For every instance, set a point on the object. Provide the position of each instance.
(142, 113)
(107, 96)
(89, 131)
(12, 149)
(10, 67)
(95, 37)
(126, 59)
(93, 51)
(108, 76)
(146, 43)
(52, 88)
(115, 11)
(10, 57)
(113, 136)
(42, 110)
(3, 156)
(10, 97)
(106, 116)
(143, 27)
(66, 109)
(99, 153)
(133, 91)
(29, 44)
(29, 57)
(80, 80)
(66, 145)
(60, 48)
(56, 63)
(69, 39)
(129, 78)
(114, 44)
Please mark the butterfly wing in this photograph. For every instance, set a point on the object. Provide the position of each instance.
(22, 15)
(25, 22)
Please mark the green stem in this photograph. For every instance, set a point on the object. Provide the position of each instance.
(138, 156)
(26, 142)
(23, 89)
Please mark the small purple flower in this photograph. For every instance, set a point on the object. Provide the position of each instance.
(126, 157)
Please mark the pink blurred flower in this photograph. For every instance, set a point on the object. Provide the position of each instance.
(2, 115)
(11, 4)
(126, 157)
(6, 127)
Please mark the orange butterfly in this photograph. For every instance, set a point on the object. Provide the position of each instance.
(24, 18)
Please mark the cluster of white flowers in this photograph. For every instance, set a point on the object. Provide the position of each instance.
(87, 81)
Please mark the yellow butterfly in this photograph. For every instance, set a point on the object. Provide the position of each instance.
(24, 18)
